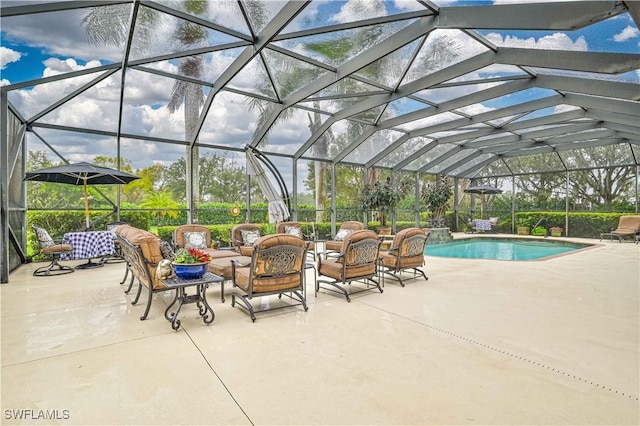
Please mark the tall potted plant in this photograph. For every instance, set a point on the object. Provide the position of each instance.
(436, 197)
(383, 198)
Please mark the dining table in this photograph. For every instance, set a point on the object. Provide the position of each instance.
(88, 245)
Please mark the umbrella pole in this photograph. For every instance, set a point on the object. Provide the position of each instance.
(86, 205)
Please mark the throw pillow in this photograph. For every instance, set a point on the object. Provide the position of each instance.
(293, 230)
(167, 251)
(44, 238)
(249, 237)
(342, 234)
(196, 240)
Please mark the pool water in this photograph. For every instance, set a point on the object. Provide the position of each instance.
(502, 248)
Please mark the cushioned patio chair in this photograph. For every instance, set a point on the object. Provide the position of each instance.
(406, 253)
(276, 268)
(345, 229)
(53, 249)
(243, 235)
(197, 236)
(628, 226)
(356, 262)
(295, 228)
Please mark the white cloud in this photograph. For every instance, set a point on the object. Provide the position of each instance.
(626, 34)
(555, 41)
(8, 56)
(359, 9)
(4, 82)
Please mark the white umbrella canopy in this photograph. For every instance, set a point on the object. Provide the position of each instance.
(278, 210)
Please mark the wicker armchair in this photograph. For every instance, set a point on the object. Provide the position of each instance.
(277, 267)
(357, 261)
(406, 253)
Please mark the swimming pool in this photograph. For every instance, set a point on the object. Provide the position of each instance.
(503, 248)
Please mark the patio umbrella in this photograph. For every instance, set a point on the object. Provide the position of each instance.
(81, 174)
(278, 210)
(482, 190)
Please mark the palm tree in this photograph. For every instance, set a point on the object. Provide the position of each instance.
(192, 95)
(160, 201)
(108, 25)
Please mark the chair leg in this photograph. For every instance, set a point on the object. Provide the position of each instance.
(396, 275)
(245, 302)
(135, 300)
(53, 268)
(126, 273)
(131, 280)
(146, 311)
(335, 285)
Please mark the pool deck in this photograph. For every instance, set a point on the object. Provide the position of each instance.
(481, 342)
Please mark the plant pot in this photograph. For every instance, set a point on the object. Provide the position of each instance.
(523, 230)
(556, 233)
(189, 271)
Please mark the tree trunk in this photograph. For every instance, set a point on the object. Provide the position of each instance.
(191, 115)
(319, 149)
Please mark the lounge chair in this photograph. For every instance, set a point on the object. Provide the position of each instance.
(628, 226)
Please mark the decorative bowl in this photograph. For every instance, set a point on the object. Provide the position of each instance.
(189, 271)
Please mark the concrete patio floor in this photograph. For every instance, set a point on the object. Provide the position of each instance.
(480, 342)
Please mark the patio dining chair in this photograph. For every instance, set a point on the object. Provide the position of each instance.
(53, 249)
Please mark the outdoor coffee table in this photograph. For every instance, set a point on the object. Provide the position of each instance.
(181, 296)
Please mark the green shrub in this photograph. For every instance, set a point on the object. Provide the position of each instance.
(539, 231)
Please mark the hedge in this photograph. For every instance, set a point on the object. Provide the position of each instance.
(584, 225)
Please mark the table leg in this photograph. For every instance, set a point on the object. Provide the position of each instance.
(202, 290)
(173, 302)
(90, 264)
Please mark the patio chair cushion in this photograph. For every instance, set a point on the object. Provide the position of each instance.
(249, 237)
(293, 230)
(44, 238)
(342, 234)
(196, 240)
(222, 266)
(167, 251)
